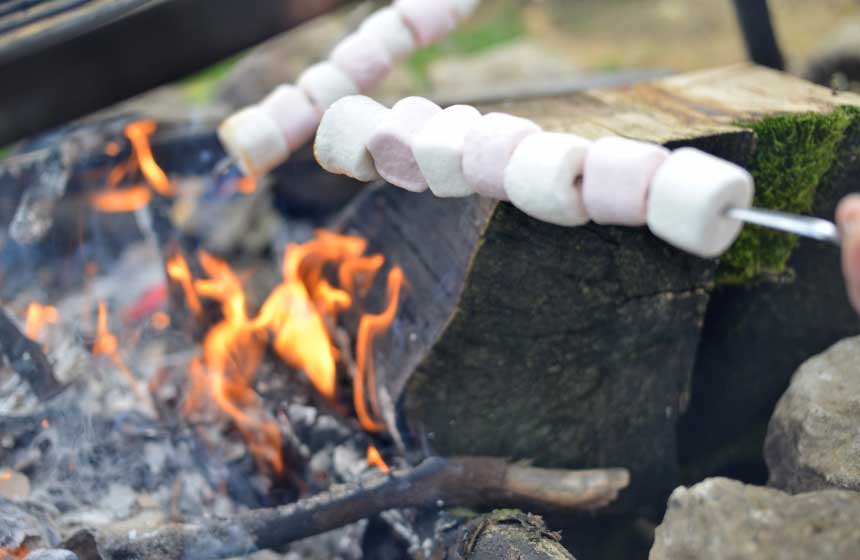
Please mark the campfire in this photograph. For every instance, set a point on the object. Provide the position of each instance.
(158, 377)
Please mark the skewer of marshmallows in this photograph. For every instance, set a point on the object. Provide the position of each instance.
(262, 136)
(563, 179)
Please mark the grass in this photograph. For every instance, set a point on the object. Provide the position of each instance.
(793, 154)
(200, 88)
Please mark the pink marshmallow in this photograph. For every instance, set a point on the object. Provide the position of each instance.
(618, 173)
(390, 145)
(363, 58)
(488, 149)
(430, 20)
(295, 114)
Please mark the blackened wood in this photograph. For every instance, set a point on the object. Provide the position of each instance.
(759, 35)
(26, 358)
(469, 481)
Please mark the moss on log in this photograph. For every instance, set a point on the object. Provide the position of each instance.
(575, 347)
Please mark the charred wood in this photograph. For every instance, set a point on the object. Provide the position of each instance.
(27, 359)
(466, 481)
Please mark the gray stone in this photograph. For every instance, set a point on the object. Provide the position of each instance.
(25, 524)
(812, 438)
(721, 519)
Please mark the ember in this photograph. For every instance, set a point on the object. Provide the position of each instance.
(38, 316)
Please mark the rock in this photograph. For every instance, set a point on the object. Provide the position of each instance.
(812, 438)
(724, 519)
(53, 554)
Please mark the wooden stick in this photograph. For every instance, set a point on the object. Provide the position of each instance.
(437, 482)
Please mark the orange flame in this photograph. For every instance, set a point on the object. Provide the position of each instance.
(121, 200)
(16, 552)
(296, 319)
(38, 316)
(374, 459)
(138, 134)
(106, 344)
(178, 271)
(369, 327)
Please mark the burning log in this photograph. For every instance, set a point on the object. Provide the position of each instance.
(26, 358)
(575, 347)
(466, 481)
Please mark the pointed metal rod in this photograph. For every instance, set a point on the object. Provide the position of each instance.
(805, 226)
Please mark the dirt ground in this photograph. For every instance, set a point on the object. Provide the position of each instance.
(674, 34)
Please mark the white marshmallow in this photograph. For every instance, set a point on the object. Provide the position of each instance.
(364, 58)
(689, 195)
(466, 8)
(541, 178)
(325, 83)
(343, 134)
(389, 28)
(438, 149)
(254, 139)
(391, 143)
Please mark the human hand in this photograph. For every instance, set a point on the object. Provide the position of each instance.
(848, 219)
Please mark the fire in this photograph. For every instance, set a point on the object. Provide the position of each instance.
(38, 316)
(369, 327)
(16, 552)
(178, 271)
(106, 344)
(374, 459)
(121, 200)
(138, 134)
(296, 320)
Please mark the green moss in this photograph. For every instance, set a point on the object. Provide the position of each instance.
(793, 154)
(506, 26)
(5, 151)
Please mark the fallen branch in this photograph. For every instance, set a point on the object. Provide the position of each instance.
(26, 358)
(437, 482)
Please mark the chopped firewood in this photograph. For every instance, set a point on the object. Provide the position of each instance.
(578, 346)
(26, 358)
(437, 482)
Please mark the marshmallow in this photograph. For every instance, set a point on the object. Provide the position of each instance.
(438, 149)
(254, 140)
(541, 178)
(689, 195)
(465, 8)
(430, 20)
(617, 175)
(295, 115)
(324, 83)
(388, 27)
(363, 58)
(346, 128)
(488, 149)
(391, 142)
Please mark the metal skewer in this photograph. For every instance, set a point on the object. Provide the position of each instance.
(805, 226)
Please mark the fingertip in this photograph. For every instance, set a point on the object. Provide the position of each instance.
(848, 210)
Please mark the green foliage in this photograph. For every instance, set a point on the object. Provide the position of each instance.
(200, 88)
(5, 151)
(506, 26)
(793, 154)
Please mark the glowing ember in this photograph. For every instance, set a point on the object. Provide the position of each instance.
(246, 185)
(121, 200)
(38, 316)
(374, 459)
(45, 424)
(17, 552)
(296, 320)
(138, 134)
(160, 320)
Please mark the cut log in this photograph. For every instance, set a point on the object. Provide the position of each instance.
(575, 347)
